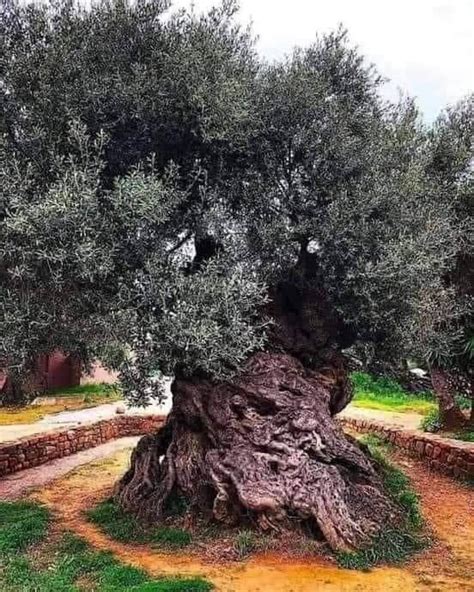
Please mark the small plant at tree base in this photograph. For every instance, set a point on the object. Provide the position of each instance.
(245, 543)
(431, 422)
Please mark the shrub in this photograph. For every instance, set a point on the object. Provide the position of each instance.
(431, 422)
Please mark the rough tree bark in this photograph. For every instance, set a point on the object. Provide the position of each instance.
(264, 448)
(18, 390)
(451, 416)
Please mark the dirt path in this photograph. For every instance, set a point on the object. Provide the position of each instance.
(448, 566)
(409, 421)
(18, 484)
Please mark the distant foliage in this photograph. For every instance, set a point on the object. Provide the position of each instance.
(375, 384)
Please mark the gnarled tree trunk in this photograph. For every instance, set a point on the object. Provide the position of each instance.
(264, 448)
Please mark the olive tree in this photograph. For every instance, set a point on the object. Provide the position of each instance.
(186, 210)
(451, 166)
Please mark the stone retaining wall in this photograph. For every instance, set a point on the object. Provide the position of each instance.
(38, 449)
(451, 457)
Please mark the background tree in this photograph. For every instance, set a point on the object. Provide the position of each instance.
(452, 168)
(232, 224)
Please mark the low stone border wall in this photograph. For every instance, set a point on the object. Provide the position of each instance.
(41, 448)
(451, 457)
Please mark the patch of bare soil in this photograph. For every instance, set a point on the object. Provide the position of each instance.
(448, 565)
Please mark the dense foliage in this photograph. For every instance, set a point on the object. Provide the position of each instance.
(157, 179)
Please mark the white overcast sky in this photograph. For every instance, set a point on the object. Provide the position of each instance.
(425, 47)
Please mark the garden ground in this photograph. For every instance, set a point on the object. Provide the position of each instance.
(447, 565)
(73, 398)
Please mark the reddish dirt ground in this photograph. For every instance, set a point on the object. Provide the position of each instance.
(448, 565)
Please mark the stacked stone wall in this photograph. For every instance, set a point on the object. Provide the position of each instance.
(38, 449)
(451, 457)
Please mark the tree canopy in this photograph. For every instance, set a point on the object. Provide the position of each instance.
(158, 180)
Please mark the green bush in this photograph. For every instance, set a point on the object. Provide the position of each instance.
(431, 422)
(467, 436)
(362, 381)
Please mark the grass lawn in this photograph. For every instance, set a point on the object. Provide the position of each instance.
(387, 395)
(34, 560)
(67, 399)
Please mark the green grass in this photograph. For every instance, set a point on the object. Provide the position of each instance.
(21, 524)
(386, 394)
(126, 528)
(69, 565)
(82, 390)
(116, 523)
(391, 545)
(170, 538)
(245, 543)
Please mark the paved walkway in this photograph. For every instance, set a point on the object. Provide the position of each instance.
(18, 484)
(70, 419)
(409, 421)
